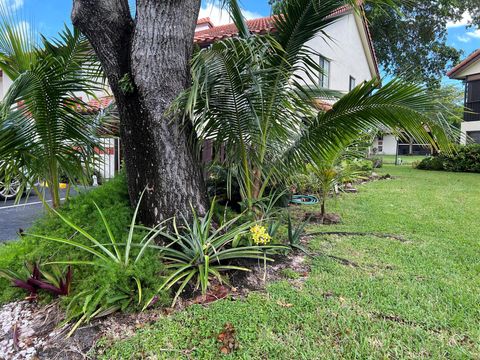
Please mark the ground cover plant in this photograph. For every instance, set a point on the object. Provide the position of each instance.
(415, 298)
(112, 198)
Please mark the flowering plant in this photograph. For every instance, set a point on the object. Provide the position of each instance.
(260, 235)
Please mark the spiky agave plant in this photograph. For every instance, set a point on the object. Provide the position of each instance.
(199, 251)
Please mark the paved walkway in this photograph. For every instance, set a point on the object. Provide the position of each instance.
(14, 217)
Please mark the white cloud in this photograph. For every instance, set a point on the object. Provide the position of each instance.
(464, 39)
(220, 16)
(11, 4)
(474, 34)
(465, 21)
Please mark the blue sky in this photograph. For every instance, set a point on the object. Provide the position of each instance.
(48, 16)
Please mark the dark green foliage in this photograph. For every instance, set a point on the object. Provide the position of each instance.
(295, 234)
(464, 159)
(432, 163)
(112, 198)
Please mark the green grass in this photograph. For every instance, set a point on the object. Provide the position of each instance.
(414, 299)
(406, 159)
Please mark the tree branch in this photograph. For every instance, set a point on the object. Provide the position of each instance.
(109, 26)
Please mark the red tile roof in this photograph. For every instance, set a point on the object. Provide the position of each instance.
(216, 33)
(470, 59)
(100, 103)
(96, 105)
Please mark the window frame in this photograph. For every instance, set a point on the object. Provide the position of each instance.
(324, 76)
(350, 87)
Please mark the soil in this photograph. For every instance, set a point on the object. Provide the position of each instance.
(325, 219)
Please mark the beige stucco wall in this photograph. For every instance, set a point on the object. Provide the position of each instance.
(466, 127)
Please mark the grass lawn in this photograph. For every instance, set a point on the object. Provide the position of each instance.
(414, 299)
(406, 159)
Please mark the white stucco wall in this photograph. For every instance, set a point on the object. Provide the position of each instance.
(5, 83)
(346, 52)
(466, 127)
(201, 27)
(389, 145)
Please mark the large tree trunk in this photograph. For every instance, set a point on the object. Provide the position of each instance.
(146, 61)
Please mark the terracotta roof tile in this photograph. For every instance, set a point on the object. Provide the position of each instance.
(216, 33)
(206, 20)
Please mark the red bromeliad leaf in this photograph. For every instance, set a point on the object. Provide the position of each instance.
(26, 285)
(47, 287)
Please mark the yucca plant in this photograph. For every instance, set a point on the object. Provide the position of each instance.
(248, 98)
(43, 131)
(199, 251)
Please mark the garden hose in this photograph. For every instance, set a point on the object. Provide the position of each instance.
(304, 199)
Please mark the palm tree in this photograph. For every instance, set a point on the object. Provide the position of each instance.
(248, 98)
(43, 133)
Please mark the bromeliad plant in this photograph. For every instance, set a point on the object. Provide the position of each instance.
(199, 251)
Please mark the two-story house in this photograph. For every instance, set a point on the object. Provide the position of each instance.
(469, 72)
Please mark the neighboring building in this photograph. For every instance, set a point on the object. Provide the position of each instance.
(469, 72)
(390, 144)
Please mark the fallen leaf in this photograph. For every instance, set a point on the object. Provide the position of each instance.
(282, 304)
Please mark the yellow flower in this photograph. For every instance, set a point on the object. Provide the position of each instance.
(260, 236)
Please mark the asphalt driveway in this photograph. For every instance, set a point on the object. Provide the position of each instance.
(15, 217)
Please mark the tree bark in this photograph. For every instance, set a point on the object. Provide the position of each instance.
(146, 61)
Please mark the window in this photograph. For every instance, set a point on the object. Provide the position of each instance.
(472, 101)
(325, 73)
(474, 135)
(353, 83)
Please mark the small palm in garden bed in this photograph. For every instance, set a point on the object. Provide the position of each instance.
(33, 279)
(199, 252)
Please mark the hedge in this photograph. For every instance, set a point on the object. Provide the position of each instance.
(464, 159)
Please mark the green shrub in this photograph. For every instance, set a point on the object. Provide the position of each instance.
(432, 163)
(112, 198)
(116, 260)
(464, 159)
